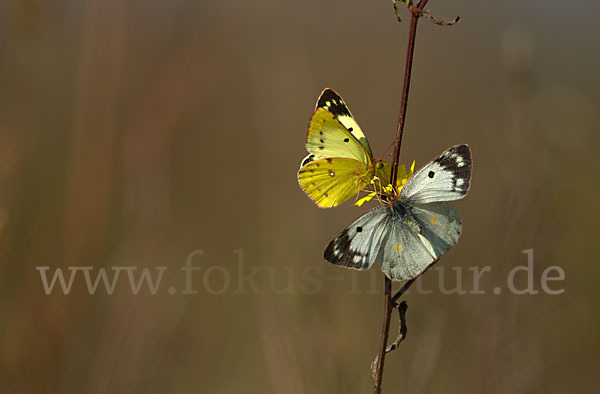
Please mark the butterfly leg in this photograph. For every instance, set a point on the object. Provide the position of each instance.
(380, 186)
(379, 194)
(360, 189)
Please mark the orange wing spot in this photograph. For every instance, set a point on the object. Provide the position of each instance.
(433, 219)
(398, 248)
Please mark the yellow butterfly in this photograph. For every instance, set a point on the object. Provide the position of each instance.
(340, 163)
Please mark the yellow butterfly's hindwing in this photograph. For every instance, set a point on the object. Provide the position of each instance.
(327, 137)
(332, 102)
(329, 182)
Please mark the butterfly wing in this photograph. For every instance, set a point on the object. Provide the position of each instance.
(407, 239)
(338, 164)
(358, 245)
(327, 137)
(332, 102)
(402, 254)
(441, 227)
(447, 178)
(416, 237)
(329, 182)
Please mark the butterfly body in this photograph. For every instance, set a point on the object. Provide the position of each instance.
(405, 214)
(412, 232)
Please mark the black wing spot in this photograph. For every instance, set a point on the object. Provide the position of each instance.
(349, 128)
(431, 174)
(321, 147)
(329, 160)
(346, 139)
(322, 141)
(320, 132)
(359, 229)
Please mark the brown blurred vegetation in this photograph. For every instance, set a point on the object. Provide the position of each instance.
(135, 132)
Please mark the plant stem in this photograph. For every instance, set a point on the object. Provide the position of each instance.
(390, 301)
(412, 35)
(385, 330)
(402, 290)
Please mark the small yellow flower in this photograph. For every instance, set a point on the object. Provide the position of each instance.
(384, 174)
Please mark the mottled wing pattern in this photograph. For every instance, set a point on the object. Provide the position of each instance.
(329, 182)
(358, 245)
(332, 102)
(447, 178)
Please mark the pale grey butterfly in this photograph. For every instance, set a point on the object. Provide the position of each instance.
(412, 232)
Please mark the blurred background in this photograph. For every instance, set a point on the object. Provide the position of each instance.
(147, 133)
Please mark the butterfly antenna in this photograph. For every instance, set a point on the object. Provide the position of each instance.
(388, 151)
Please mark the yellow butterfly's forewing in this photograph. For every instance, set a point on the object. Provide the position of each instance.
(327, 137)
(332, 102)
(329, 182)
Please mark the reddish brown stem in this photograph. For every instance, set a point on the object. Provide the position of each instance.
(389, 300)
(412, 35)
(385, 330)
